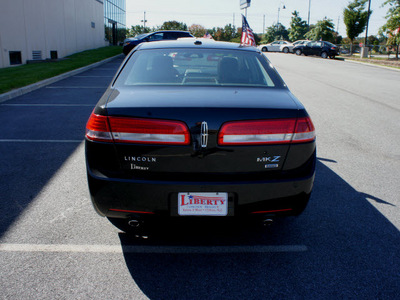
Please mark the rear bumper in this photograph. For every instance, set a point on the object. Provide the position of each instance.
(123, 198)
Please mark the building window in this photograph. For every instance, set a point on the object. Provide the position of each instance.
(53, 54)
(93, 25)
(115, 20)
(15, 58)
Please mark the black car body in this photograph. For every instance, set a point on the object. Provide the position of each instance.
(161, 35)
(319, 48)
(198, 128)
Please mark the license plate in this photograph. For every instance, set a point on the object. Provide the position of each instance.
(202, 204)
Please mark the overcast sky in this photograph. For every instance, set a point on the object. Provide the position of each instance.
(218, 13)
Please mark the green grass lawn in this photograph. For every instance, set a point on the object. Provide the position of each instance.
(16, 77)
(381, 61)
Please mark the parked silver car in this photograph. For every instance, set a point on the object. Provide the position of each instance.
(277, 46)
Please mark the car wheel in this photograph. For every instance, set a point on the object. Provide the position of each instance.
(264, 49)
(298, 52)
(324, 54)
(285, 50)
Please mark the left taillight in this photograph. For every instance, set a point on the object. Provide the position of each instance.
(98, 129)
(137, 130)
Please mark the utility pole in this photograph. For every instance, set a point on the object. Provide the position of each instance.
(263, 24)
(279, 9)
(366, 30)
(309, 7)
(144, 21)
(364, 50)
(337, 28)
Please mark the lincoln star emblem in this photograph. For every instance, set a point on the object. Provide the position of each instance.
(204, 134)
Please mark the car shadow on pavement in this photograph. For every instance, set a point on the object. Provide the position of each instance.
(26, 168)
(346, 249)
(39, 131)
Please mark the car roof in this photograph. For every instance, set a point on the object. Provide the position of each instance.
(158, 31)
(195, 43)
(170, 31)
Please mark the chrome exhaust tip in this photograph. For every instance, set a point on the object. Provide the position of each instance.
(134, 223)
(268, 222)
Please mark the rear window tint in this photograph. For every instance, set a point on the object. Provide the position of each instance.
(210, 67)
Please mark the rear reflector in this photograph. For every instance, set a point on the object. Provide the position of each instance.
(132, 211)
(274, 131)
(135, 130)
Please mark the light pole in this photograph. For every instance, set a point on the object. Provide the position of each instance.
(279, 9)
(308, 20)
(144, 22)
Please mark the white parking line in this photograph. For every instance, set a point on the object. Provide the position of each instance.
(106, 69)
(39, 141)
(92, 76)
(75, 87)
(151, 249)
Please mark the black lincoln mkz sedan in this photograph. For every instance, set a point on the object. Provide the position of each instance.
(198, 129)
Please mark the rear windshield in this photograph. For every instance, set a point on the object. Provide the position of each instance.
(189, 66)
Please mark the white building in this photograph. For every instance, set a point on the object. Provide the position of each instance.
(43, 29)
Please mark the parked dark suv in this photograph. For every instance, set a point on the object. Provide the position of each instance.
(160, 35)
(319, 48)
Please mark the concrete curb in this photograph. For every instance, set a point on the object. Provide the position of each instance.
(37, 85)
(372, 65)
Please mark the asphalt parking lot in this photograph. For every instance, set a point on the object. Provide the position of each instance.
(345, 245)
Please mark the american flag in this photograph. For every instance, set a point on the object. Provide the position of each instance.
(247, 34)
(207, 36)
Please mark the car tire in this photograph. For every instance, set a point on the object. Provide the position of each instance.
(298, 52)
(285, 50)
(324, 54)
(264, 49)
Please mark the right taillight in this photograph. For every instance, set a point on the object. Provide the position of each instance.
(304, 132)
(136, 130)
(273, 131)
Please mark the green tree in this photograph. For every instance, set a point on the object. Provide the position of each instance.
(298, 27)
(392, 26)
(197, 30)
(355, 18)
(173, 25)
(323, 30)
(276, 32)
(230, 32)
(137, 29)
(337, 39)
(227, 33)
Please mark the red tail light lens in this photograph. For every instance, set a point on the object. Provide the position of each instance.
(97, 129)
(304, 132)
(135, 130)
(275, 131)
(149, 131)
